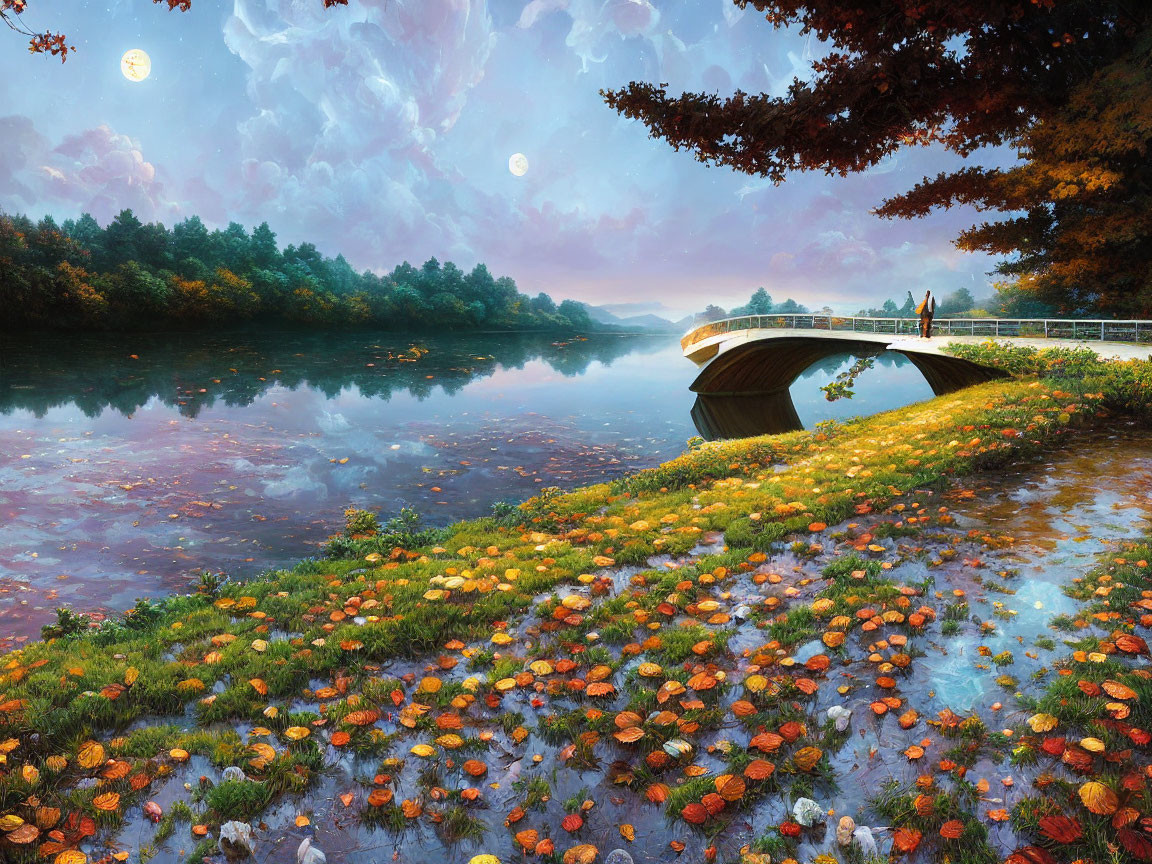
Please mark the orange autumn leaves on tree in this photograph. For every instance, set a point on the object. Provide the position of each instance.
(1079, 211)
(1060, 81)
(56, 44)
(38, 43)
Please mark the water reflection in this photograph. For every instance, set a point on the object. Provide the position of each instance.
(96, 373)
(128, 464)
(892, 383)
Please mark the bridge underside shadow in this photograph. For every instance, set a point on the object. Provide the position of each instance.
(745, 391)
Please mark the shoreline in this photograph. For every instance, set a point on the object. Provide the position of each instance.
(305, 652)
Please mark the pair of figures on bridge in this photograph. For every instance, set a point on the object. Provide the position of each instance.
(926, 310)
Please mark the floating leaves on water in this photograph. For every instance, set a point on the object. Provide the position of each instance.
(585, 853)
(806, 758)
(475, 768)
(1099, 798)
(702, 681)
(906, 839)
(657, 793)
(953, 829)
(1119, 691)
(411, 809)
(730, 787)
(1130, 644)
(363, 717)
(759, 769)
(766, 742)
(1030, 855)
(108, 801)
(694, 813)
(1062, 829)
(1089, 688)
(90, 755)
(791, 730)
(756, 683)
(297, 733)
(1043, 722)
(630, 735)
(379, 797)
(743, 708)
(1135, 843)
(24, 834)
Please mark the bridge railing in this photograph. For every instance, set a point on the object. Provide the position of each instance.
(1036, 328)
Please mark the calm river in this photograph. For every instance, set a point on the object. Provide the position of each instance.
(130, 463)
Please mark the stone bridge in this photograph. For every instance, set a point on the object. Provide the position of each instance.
(747, 364)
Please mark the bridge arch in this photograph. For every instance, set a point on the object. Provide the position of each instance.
(748, 364)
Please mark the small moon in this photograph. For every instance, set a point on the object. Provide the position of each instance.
(518, 164)
(136, 65)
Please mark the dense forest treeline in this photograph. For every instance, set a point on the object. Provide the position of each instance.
(130, 275)
(760, 303)
(1007, 301)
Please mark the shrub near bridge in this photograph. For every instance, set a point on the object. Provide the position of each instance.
(1123, 386)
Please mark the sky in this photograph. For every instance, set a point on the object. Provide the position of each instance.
(382, 131)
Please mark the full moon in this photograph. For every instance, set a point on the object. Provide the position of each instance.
(135, 64)
(518, 164)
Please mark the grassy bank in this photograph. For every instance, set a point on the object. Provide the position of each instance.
(594, 625)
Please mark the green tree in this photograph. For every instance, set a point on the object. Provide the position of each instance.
(132, 275)
(576, 314)
(760, 303)
(790, 307)
(190, 240)
(542, 304)
(121, 238)
(134, 294)
(960, 300)
(263, 246)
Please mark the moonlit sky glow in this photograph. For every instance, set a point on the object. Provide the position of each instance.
(383, 130)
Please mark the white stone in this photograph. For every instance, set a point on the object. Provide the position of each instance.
(236, 841)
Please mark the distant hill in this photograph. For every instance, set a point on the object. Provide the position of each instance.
(648, 321)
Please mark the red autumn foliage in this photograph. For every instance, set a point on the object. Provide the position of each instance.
(1062, 829)
(57, 45)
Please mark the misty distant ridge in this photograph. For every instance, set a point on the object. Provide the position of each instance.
(653, 316)
(633, 316)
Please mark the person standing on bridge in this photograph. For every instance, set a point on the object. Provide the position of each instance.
(926, 310)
